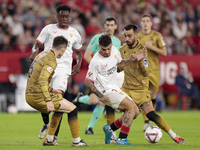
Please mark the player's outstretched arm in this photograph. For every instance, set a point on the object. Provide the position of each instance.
(90, 85)
(35, 51)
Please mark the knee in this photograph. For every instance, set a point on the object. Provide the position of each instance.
(101, 104)
(93, 99)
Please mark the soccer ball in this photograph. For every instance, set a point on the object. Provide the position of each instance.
(153, 134)
(12, 109)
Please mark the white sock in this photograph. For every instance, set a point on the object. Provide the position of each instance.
(171, 134)
(114, 134)
(50, 138)
(76, 140)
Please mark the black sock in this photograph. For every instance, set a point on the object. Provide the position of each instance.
(45, 118)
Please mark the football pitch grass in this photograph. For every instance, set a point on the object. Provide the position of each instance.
(20, 132)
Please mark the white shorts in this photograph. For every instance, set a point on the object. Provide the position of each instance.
(59, 81)
(116, 96)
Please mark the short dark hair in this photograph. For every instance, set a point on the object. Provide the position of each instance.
(62, 7)
(104, 40)
(111, 19)
(131, 26)
(59, 42)
(147, 15)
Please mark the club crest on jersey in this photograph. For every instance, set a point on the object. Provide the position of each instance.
(146, 62)
(115, 56)
(71, 35)
(49, 69)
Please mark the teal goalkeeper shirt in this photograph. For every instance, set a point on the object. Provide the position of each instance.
(93, 45)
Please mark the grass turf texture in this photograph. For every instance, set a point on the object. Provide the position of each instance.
(20, 132)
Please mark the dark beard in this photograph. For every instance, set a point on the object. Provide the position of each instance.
(131, 44)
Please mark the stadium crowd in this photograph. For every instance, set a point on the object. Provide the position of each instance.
(179, 21)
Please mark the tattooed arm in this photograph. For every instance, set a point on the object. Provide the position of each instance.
(90, 85)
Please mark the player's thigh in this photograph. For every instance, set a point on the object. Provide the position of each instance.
(154, 82)
(138, 96)
(66, 106)
(127, 104)
(59, 81)
(115, 98)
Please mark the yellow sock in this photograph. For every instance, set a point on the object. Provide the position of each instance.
(110, 117)
(74, 126)
(55, 119)
(162, 124)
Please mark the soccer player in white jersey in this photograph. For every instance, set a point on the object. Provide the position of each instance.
(101, 80)
(64, 67)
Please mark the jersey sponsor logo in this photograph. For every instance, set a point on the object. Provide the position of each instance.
(146, 62)
(115, 56)
(71, 35)
(54, 31)
(90, 73)
(49, 69)
(163, 42)
(112, 70)
(105, 65)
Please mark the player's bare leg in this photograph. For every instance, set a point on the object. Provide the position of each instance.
(124, 122)
(147, 122)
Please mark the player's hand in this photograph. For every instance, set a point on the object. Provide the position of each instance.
(141, 54)
(105, 98)
(32, 57)
(55, 91)
(133, 57)
(148, 44)
(76, 69)
(50, 106)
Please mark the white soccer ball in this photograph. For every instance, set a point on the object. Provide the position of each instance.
(12, 109)
(153, 134)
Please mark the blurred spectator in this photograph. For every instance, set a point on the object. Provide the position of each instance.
(197, 11)
(169, 40)
(179, 27)
(92, 28)
(185, 82)
(5, 45)
(4, 14)
(183, 47)
(21, 46)
(197, 42)
(18, 29)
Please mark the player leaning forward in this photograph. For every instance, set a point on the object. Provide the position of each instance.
(101, 80)
(39, 94)
(136, 81)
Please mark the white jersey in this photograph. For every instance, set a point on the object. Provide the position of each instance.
(103, 70)
(47, 36)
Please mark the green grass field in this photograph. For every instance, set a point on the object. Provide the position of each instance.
(20, 132)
